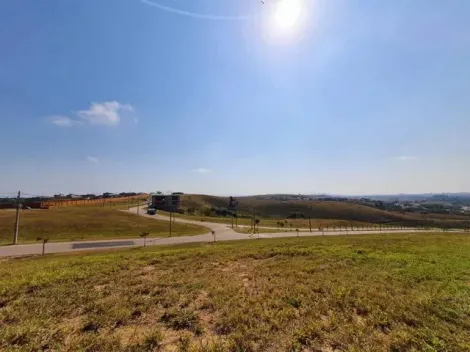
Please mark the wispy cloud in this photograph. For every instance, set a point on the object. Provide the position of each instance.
(202, 170)
(201, 16)
(64, 121)
(93, 159)
(105, 114)
(405, 158)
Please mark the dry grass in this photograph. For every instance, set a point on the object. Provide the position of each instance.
(360, 293)
(267, 222)
(82, 222)
(328, 210)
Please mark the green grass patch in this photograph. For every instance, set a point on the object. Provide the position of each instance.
(346, 293)
(332, 224)
(86, 223)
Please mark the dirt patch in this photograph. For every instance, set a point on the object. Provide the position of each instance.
(148, 268)
(234, 267)
(73, 324)
(200, 299)
(129, 335)
(99, 288)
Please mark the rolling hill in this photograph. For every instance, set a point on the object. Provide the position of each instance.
(323, 210)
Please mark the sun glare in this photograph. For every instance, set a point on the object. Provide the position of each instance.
(287, 13)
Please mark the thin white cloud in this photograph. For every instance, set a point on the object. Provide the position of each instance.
(202, 170)
(201, 16)
(105, 114)
(93, 159)
(406, 158)
(64, 121)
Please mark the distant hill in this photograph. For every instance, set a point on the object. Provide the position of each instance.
(462, 197)
(324, 210)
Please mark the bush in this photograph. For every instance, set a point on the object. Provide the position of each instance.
(296, 215)
(205, 210)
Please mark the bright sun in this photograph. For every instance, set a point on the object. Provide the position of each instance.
(287, 13)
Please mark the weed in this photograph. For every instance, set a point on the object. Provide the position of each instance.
(153, 340)
(181, 320)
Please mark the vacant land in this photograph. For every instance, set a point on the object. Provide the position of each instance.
(327, 210)
(361, 293)
(86, 223)
(266, 222)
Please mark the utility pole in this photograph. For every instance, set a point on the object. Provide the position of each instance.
(171, 214)
(310, 223)
(17, 221)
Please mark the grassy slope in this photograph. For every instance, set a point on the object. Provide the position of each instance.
(83, 222)
(266, 222)
(356, 293)
(326, 210)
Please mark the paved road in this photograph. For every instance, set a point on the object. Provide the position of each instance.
(222, 233)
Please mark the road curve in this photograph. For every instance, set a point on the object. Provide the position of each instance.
(222, 233)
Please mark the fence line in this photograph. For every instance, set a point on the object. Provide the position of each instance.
(75, 202)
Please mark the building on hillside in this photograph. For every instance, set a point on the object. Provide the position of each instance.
(165, 202)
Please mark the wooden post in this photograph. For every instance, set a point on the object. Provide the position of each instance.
(17, 220)
(171, 214)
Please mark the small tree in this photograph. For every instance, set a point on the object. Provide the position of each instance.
(144, 236)
(44, 241)
(205, 210)
(282, 224)
(291, 226)
(257, 221)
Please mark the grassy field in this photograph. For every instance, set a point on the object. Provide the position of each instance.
(342, 293)
(266, 222)
(331, 210)
(86, 223)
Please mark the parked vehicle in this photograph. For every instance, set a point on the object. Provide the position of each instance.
(151, 211)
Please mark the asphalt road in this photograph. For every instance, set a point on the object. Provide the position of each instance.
(222, 233)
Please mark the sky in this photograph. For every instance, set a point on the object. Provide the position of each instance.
(226, 97)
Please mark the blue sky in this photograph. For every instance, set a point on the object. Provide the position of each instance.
(360, 97)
